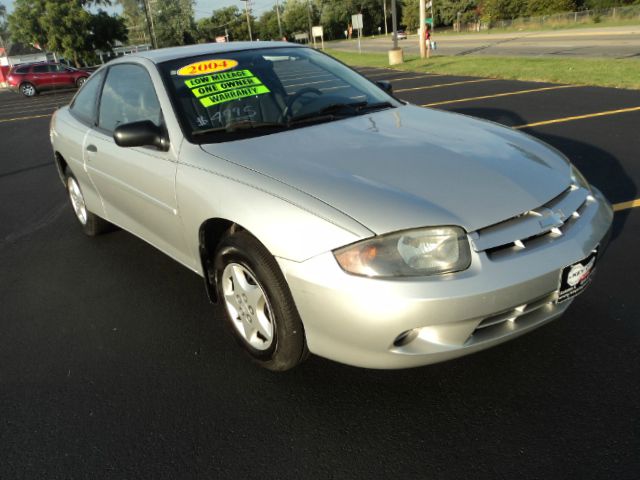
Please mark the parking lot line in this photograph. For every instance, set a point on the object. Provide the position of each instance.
(31, 108)
(579, 117)
(15, 119)
(506, 94)
(426, 87)
(422, 75)
(426, 75)
(617, 207)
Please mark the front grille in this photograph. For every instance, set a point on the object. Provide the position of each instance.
(513, 319)
(551, 220)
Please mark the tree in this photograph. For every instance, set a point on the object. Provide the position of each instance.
(231, 19)
(548, 7)
(411, 15)
(66, 27)
(105, 30)
(503, 9)
(136, 21)
(296, 15)
(3, 26)
(173, 22)
(25, 22)
(447, 11)
(267, 25)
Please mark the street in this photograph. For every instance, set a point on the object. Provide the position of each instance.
(606, 42)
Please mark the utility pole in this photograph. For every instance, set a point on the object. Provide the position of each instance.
(309, 16)
(148, 16)
(278, 16)
(394, 24)
(384, 9)
(246, 7)
(421, 31)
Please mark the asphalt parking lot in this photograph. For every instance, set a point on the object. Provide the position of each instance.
(113, 364)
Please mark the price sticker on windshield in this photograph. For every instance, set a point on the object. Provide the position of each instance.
(207, 66)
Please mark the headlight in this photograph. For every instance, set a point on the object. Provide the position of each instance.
(412, 253)
(578, 179)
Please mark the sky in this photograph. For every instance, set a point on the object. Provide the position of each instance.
(202, 8)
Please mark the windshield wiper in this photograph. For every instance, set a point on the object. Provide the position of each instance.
(242, 125)
(337, 110)
(374, 106)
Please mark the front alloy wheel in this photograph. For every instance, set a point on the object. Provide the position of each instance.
(247, 306)
(258, 305)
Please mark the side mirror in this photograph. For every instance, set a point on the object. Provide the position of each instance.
(386, 86)
(141, 134)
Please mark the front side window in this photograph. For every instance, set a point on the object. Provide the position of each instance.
(85, 102)
(128, 96)
(228, 96)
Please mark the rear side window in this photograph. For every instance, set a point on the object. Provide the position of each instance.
(22, 70)
(84, 105)
(41, 69)
(128, 96)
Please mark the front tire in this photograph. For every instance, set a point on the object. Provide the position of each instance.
(80, 81)
(91, 224)
(28, 90)
(257, 303)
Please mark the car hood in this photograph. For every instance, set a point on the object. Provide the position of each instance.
(409, 166)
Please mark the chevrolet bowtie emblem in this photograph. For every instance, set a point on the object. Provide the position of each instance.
(551, 219)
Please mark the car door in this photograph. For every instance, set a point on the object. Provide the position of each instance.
(42, 77)
(61, 76)
(137, 184)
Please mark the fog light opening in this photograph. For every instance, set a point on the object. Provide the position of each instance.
(406, 337)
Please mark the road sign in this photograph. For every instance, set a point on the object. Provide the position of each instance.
(356, 21)
(429, 21)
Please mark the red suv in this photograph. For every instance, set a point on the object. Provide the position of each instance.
(33, 78)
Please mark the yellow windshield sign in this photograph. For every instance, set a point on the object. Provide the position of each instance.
(199, 81)
(207, 66)
(225, 87)
(233, 95)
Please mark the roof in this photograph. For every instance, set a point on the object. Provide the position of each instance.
(18, 49)
(166, 54)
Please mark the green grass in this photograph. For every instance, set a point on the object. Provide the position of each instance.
(599, 72)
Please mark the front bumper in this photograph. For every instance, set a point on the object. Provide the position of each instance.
(360, 321)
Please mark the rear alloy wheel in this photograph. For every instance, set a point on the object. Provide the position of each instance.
(28, 90)
(258, 305)
(91, 224)
(80, 81)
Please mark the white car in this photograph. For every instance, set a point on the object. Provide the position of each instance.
(326, 215)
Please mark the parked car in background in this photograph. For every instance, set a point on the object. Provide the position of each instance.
(402, 35)
(34, 78)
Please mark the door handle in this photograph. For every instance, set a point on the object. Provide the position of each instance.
(92, 149)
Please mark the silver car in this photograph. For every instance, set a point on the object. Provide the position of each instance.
(325, 215)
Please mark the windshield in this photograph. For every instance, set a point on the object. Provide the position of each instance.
(228, 96)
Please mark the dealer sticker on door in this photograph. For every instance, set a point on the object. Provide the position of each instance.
(575, 278)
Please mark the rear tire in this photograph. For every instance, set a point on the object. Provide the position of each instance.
(257, 303)
(91, 224)
(28, 90)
